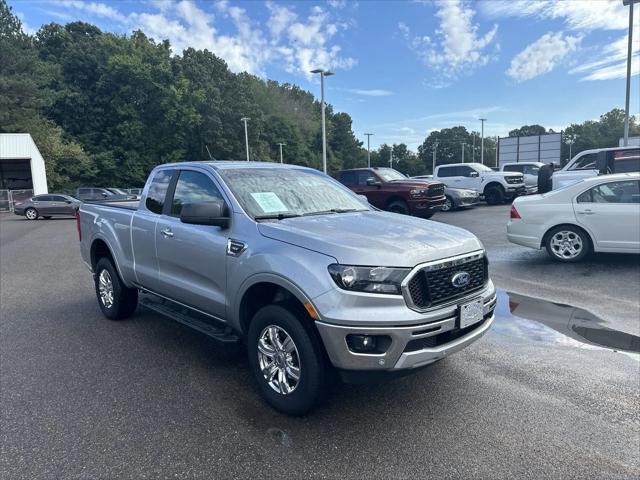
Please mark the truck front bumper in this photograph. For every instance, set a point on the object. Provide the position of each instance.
(410, 346)
(426, 206)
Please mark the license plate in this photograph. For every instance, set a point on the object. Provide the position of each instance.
(471, 312)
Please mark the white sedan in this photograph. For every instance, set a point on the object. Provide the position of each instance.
(600, 214)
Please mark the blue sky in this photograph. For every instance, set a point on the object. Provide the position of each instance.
(403, 68)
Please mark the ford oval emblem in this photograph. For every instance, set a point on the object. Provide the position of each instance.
(461, 279)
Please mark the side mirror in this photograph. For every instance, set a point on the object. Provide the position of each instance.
(364, 198)
(372, 182)
(104, 195)
(67, 201)
(474, 174)
(205, 213)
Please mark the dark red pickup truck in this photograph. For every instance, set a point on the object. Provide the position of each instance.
(388, 189)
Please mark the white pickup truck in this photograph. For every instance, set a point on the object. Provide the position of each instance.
(590, 163)
(495, 186)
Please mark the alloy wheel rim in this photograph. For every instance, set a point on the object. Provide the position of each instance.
(566, 244)
(279, 359)
(447, 205)
(105, 288)
(31, 214)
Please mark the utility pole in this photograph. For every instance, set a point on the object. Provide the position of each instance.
(482, 141)
(629, 48)
(390, 156)
(281, 145)
(463, 145)
(368, 150)
(433, 167)
(246, 135)
(473, 149)
(323, 73)
(497, 144)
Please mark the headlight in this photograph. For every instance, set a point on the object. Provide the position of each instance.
(368, 279)
(419, 192)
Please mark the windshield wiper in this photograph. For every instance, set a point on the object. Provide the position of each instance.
(278, 216)
(334, 210)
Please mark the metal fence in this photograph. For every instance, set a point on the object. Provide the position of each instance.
(8, 198)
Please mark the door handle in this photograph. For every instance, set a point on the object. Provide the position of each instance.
(586, 212)
(167, 233)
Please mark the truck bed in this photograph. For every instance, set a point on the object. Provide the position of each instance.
(125, 204)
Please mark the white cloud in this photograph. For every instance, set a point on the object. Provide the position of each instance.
(298, 45)
(542, 56)
(457, 45)
(577, 14)
(371, 93)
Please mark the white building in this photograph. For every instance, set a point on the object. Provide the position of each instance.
(21, 165)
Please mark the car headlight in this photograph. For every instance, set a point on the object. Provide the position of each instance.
(419, 192)
(368, 279)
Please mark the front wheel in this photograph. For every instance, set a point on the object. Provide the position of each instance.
(31, 214)
(116, 301)
(287, 360)
(494, 195)
(448, 205)
(398, 206)
(568, 244)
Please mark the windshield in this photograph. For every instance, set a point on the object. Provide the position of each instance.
(389, 174)
(274, 192)
(117, 191)
(478, 167)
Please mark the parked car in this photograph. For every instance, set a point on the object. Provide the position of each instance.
(455, 198)
(599, 161)
(388, 189)
(529, 170)
(125, 193)
(99, 193)
(600, 214)
(496, 187)
(309, 275)
(134, 191)
(47, 206)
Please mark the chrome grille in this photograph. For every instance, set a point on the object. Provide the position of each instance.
(432, 285)
(436, 190)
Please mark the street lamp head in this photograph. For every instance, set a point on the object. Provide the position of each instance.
(328, 73)
(317, 70)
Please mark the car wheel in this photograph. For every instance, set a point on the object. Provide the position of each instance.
(448, 204)
(48, 217)
(116, 301)
(287, 360)
(494, 195)
(398, 206)
(568, 244)
(31, 214)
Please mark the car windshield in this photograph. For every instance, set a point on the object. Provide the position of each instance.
(117, 191)
(281, 193)
(389, 174)
(481, 168)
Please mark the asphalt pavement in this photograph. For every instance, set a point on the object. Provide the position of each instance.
(82, 397)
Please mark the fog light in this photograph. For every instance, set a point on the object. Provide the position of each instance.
(361, 343)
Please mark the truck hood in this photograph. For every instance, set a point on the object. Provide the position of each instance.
(373, 238)
(411, 183)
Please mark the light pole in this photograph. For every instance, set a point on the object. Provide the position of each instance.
(463, 145)
(482, 141)
(323, 73)
(246, 135)
(570, 140)
(281, 145)
(433, 167)
(390, 156)
(626, 101)
(368, 150)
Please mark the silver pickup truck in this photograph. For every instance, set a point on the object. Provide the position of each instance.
(306, 273)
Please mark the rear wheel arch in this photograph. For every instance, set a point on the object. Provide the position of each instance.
(100, 249)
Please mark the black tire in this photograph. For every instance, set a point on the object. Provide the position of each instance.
(315, 373)
(398, 206)
(125, 300)
(48, 217)
(448, 205)
(31, 214)
(494, 195)
(427, 216)
(574, 235)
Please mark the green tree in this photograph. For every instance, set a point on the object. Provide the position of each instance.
(527, 130)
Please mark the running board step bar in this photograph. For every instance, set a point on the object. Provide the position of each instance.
(191, 318)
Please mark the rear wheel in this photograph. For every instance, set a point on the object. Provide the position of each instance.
(287, 360)
(116, 301)
(31, 214)
(567, 243)
(398, 206)
(448, 205)
(494, 195)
